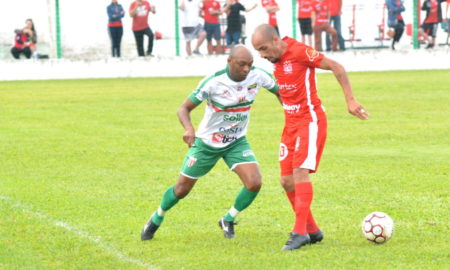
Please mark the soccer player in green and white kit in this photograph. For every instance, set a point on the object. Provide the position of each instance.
(229, 94)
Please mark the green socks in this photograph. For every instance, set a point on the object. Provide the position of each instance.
(168, 201)
(243, 200)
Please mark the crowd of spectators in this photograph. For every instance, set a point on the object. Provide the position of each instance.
(224, 23)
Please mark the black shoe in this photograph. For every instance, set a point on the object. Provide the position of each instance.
(296, 241)
(430, 46)
(149, 230)
(316, 237)
(227, 227)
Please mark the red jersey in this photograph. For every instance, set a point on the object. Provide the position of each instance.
(140, 20)
(433, 15)
(296, 78)
(321, 8)
(304, 8)
(272, 16)
(208, 6)
(20, 40)
(335, 7)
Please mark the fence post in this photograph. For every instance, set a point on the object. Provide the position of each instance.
(58, 31)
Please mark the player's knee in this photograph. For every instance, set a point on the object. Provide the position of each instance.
(287, 183)
(254, 183)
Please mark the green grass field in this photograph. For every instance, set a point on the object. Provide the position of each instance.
(83, 163)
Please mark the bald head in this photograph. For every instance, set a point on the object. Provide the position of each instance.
(240, 63)
(264, 32)
(240, 51)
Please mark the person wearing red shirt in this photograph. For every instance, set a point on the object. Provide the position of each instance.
(21, 45)
(304, 20)
(272, 8)
(432, 19)
(335, 20)
(211, 11)
(305, 129)
(321, 23)
(139, 11)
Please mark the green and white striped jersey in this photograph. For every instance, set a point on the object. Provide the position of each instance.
(227, 112)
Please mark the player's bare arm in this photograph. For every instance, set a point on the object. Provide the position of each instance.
(354, 107)
(184, 115)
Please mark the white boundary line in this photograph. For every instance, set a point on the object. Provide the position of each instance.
(95, 239)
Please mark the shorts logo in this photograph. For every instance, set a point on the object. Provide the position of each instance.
(283, 152)
(312, 54)
(247, 153)
(191, 161)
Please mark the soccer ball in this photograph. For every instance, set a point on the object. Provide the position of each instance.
(378, 227)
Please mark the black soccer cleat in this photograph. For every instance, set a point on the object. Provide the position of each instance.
(316, 237)
(149, 230)
(227, 227)
(296, 241)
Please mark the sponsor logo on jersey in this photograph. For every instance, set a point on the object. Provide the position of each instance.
(288, 87)
(222, 138)
(312, 54)
(287, 67)
(191, 161)
(226, 93)
(294, 108)
(231, 130)
(283, 152)
(235, 117)
(242, 98)
(247, 153)
(204, 94)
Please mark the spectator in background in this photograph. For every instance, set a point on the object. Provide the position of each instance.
(139, 11)
(211, 12)
(432, 19)
(395, 19)
(321, 13)
(305, 21)
(234, 24)
(31, 34)
(115, 29)
(192, 25)
(335, 20)
(21, 45)
(272, 8)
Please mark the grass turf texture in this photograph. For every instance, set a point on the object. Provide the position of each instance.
(83, 163)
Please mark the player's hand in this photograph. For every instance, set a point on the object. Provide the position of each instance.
(189, 137)
(357, 110)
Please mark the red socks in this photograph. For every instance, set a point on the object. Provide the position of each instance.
(304, 221)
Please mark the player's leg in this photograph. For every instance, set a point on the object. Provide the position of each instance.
(198, 161)
(200, 38)
(151, 36)
(334, 38)
(310, 141)
(139, 37)
(242, 161)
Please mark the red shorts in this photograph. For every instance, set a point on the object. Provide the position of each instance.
(302, 146)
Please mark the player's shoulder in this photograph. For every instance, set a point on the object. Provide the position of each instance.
(260, 71)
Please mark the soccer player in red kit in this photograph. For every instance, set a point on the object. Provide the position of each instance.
(305, 127)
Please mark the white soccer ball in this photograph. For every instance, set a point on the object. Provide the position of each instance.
(378, 227)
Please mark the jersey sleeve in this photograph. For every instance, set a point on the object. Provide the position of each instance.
(202, 91)
(309, 56)
(267, 80)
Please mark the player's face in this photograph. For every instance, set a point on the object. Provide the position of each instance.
(240, 66)
(267, 49)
